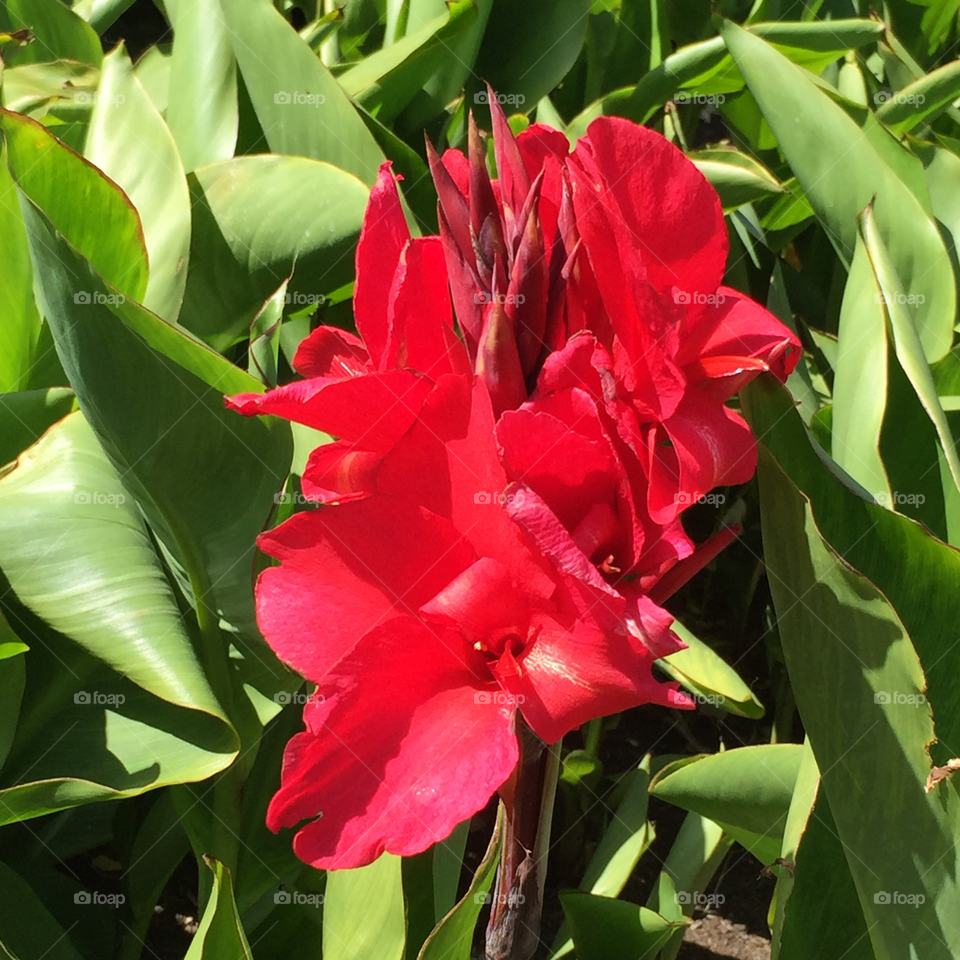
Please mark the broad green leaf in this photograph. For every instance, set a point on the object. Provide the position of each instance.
(300, 106)
(906, 340)
(453, 936)
(128, 140)
(857, 680)
(101, 14)
(605, 929)
(822, 919)
(220, 935)
(35, 88)
(860, 379)
(252, 230)
(709, 677)
(941, 171)
(202, 94)
(840, 170)
(24, 417)
(363, 915)
(387, 81)
(744, 789)
(77, 553)
(153, 70)
(527, 49)
(60, 33)
(12, 680)
(922, 100)
(87, 733)
(27, 928)
(447, 866)
(68, 188)
(263, 352)
(20, 329)
(738, 178)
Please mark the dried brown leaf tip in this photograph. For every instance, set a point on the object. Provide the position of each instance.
(941, 773)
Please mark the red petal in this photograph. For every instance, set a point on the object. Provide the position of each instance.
(373, 410)
(710, 445)
(337, 472)
(346, 569)
(573, 673)
(381, 241)
(439, 751)
(331, 352)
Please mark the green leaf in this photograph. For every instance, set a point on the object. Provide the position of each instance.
(447, 866)
(60, 33)
(77, 553)
(527, 49)
(922, 100)
(35, 88)
(857, 680)
(27, 928)
(840, 170)
(363, 913)
(747, 790)
(220, 935)
(252, 230)
(300, 106)
(605, 929)
(101, 14)
(387, 81)
(453, 936)
(709, 676)
(738, 178)
(128, 140)
(69, 188)
(12, 680)
(202, 111)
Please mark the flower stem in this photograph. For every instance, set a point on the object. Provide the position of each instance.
(513, 932)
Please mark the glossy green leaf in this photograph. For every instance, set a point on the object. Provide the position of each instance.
(20, 329)
(738, 178)
(857, 679)
(709, 677)
(220, 935)
(447, 866)
(77, 553)
(840, 170)
(743, 789)
(922, 100)
(27, 928)
(35, 88)
(129, 141)
(202, 95)
(605, 929)
(528, 49)
(300, 106)
(68, 187)
(385, 82)
(363, 912)
(252, 230)
(453, 936)
(60, 33)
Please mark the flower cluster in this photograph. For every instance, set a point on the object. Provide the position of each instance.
(502, 504)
